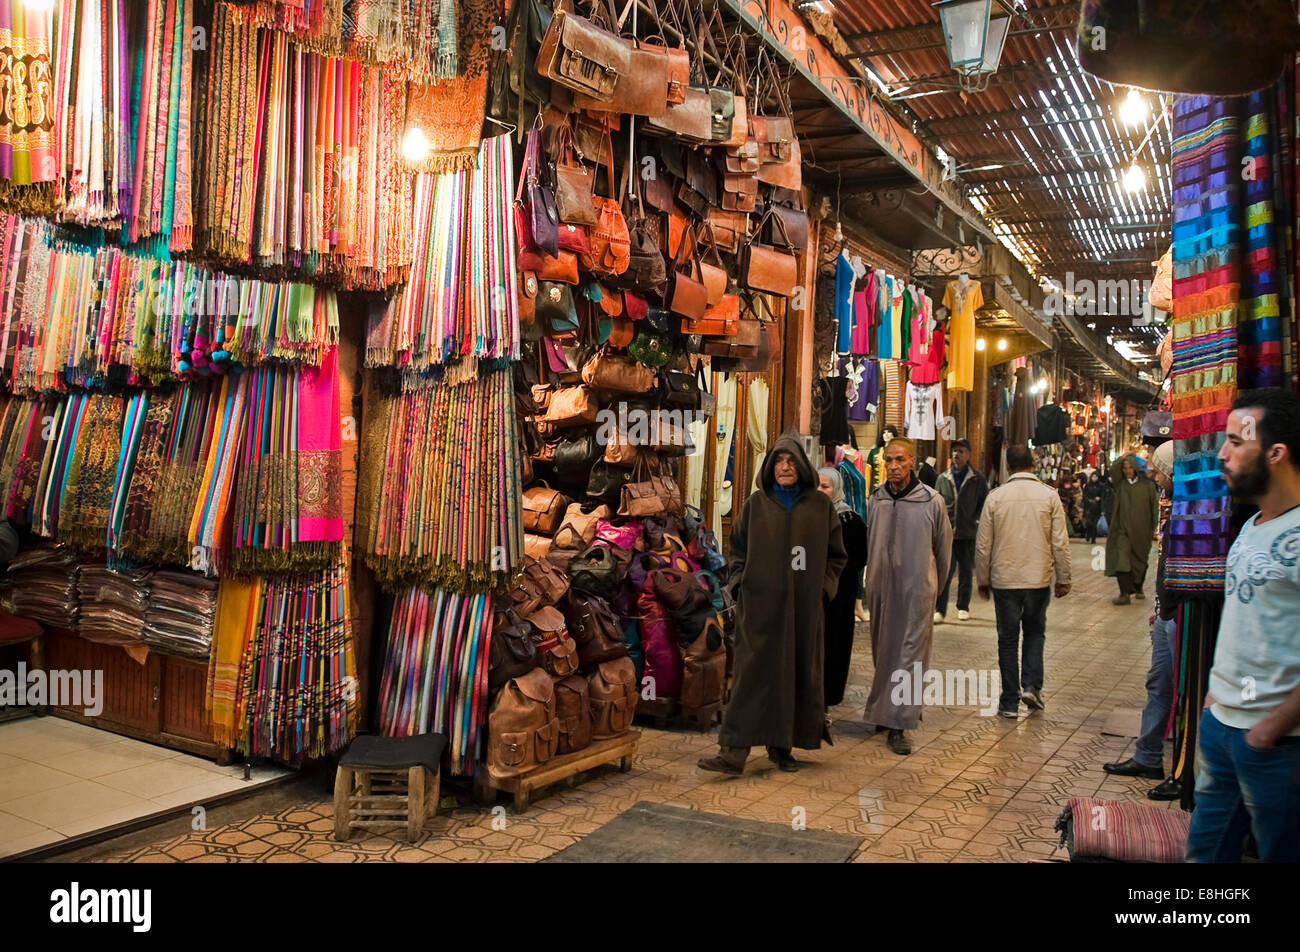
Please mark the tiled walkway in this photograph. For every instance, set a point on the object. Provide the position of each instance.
(976, 788)
(60, 779)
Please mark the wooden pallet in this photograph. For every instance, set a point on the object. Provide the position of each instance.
(620, 748)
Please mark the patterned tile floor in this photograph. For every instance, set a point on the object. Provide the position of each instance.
(975, 789)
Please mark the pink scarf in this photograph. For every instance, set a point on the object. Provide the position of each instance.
(320, 497)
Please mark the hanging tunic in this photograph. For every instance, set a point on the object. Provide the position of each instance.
(884, 301)
(924, 408)
(864, 314)
(962, 302)
(844, 275)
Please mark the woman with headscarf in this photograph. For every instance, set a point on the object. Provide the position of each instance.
(1094, 494)
(840, 609)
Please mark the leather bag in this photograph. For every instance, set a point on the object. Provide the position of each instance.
(608, 239)
(704, 667)
(573, 712)
(721, 320)
(595, 571)
(605, 371)
(613, 693)
(543, 509)
(679, 389)
(713, 273)
(522, 727)
(578, 530)
(542, 582)
(606, 483)
(650, 494)
(593, 628)
(793, 230)
(727, 229)
(571, 406)
(558, 653)
(577, 54)
(536, 218)
(512, 653)
(554, 304)
(689, 297)
(767, 268)
(536, 546)
(573, 185)
(577, 453)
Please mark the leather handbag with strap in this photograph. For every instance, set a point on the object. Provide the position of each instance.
(646, 270)
(712, 273)
(650, 494)
(593, 628)
(643, 89)
(689, 297)
(562, 267)
(721, 320)
(679, 389)
(793, 232)
(727, 229)
(512, 653)
(541, 581)
(543, 509)
(576, 454)
(704, 666)
(691, 118)
(743, 343)
(573, 712)
(573, 181)
(605, 371)
(595, 571)
(768, 268)
(555, 306)
(536, 218)
(613, 692)
(558, 653)
(608, 239)
(578, 530)
(536, 546)
(522, 727)
(571, 406)
(606, 483)
(577, 54)
(708, 402)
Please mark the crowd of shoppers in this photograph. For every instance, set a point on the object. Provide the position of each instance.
(798, 550)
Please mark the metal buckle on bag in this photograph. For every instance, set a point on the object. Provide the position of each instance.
(556, 294)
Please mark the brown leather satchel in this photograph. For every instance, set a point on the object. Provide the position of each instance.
(704, 667)
(689, 297)
(613, 694)
(743, 342)
(573, 185)
(543, 509)
(562, 267)
(739, 191)
(536, 545)
(714, 273)
(512, 653)
(571, 406)
(573, 712)
(522, 727)
(784, 174)
(727, 229)
(650, 494)
(581, 56)
(578, 530)
(619, 452)
(793, 233)
(767, 268)
(608, 239)
(605, 371)
(527, 297)
(593, 628)
(643, 90)
(721, 320)
(540, 584)
(558, 653)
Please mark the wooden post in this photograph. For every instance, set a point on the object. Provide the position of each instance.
(414, 802)
(342, 809)
(796, 391)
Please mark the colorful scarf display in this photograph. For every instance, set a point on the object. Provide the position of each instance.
(78, 315)
(296, 695)
(302, 165)
(435, 674)
(461, 297)
(441, 474)
(27, 123)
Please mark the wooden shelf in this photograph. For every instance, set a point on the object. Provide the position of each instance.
(620, 748)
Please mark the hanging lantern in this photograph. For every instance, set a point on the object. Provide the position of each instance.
(974, 38)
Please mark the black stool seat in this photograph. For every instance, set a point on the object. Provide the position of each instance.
(370, 752)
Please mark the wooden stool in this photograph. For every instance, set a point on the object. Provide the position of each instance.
(384, 782)
(17, 631)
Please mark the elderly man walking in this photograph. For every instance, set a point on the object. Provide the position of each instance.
(786, 559)
(1022, 549)
(909, 550)
(1134, 516)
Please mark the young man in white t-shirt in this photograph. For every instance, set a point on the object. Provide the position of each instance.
(1248, 754)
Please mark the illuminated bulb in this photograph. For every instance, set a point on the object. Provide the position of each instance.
(1134, 109)
(979, 344)
(1002, 343)
(415, 147)
(1134, 178)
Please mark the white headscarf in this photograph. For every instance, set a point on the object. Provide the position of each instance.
(837, 488)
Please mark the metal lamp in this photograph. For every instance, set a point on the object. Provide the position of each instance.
(974, 39)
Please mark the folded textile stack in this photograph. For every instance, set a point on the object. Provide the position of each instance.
(112, 604)
(178, 619)
(43, 586)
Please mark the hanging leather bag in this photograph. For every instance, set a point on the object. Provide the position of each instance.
(793, 230)
(768, 268)
(558, 653)
(571, 406)
(643, 89)
(536, 219)
(713, 273)
(605, 371)
(608, 239)
(573, 181)
(577, 54)
(689, 297)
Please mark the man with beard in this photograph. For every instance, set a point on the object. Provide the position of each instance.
(909, 550)
(1248, 753)
(787, 553)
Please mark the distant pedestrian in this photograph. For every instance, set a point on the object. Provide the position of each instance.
(909, 548)
(840, 612)
(1132, 525)
(1022, 554)
(1248, 749)
(786, 559)
(1094, 494)
(964, 490)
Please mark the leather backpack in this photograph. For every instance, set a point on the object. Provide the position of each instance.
(522, 727)
(612, 691)
(573, 711)
(512, 653)
(593, 628)
(558, 653)
(704, 667)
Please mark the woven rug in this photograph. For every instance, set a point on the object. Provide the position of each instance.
(656, 833)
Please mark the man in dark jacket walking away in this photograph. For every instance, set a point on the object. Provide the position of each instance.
(964, 490)
(786, 559)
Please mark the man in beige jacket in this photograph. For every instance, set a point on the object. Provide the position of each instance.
(1022, 547)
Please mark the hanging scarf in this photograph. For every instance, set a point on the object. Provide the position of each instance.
(27, 166)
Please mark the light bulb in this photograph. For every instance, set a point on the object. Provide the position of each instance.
(1134, 178)
(1134, 109)
(979, 344)
(415, 147)
(1002, 343)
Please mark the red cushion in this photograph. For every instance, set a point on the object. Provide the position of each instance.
(13, 628)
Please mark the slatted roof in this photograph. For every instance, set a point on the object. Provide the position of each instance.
(1042, 150)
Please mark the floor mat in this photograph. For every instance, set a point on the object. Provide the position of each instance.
(656, 833)
(1123, 722)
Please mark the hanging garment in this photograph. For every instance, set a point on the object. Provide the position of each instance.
(864, 386)
(894, 396)
(1052, 424)
(884, 299)
(835, 406)
(1023, 413)
(864, 313)
(756, 423)
(924, 408)
(855, 485)
(926, 354)
(896, 347)
(724, 428)
(911, 312)
(962, 301)
(844, 302)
